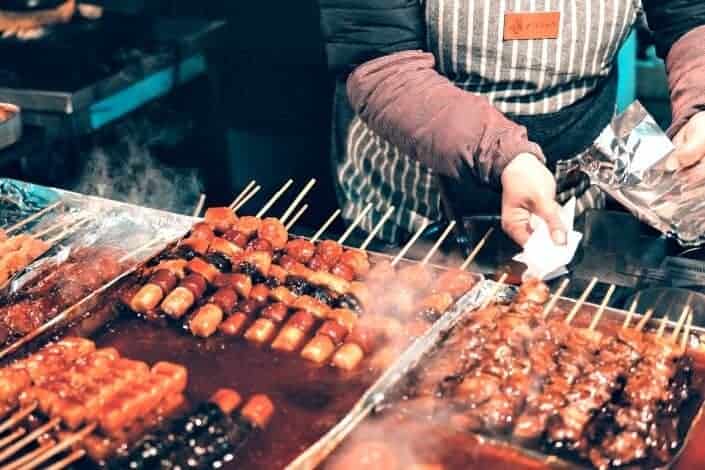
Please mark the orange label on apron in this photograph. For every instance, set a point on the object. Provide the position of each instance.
(531, 25)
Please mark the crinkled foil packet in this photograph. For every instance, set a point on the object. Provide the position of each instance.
(626, 163)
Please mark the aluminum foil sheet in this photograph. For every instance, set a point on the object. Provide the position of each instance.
(626, 163)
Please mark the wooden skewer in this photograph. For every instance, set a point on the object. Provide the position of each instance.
(242, 194)
(68, 231)
(662, 326)
(17, 417)
(603, 306)
(554, 300)
(377, 228)
(325, 226)
(68, 460)
(471, 257)
(495, 290)
(245, 199)
(275, 197)
(53, 227)
(583, 297)
(146, 247)
(297, 200)
(681, 322)
(296, 217)
(16, 434)
(199, 205)
(32, 217)
(410, 243)
(686, 334)
(19, 445)
(43, 447)
(438, 243)
(644, 320)
(630, 313)
(355, 223)
(61, 446)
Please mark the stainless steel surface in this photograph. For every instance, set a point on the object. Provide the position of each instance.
(10, 129)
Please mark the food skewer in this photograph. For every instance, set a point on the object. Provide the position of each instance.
(495, 290)
(601, 310)
(686, 334)
(581, 300)
(681, 321)
(644, 320)
(32, 217)
(662, 326)
(354, 224)
(555, 298)
(438, 243)
(60, 447)
(242, 194)
(60, 224)
(246, 198)
(630, 313)
(199, 205)
(377, 228)
(325, 226)
(275, 197)
(410, 243)
(296, 217)
(287, 213)
(68, 460)
(8, 452)
(17, 417)
(148, 246)
(473, 254)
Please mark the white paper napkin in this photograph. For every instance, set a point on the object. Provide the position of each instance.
(544, 258)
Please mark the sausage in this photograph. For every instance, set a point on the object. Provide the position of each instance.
(276, 312)
(175, 266)
(240, 282)
(273, 230)
(260, 293)
(319, 349)
(195, 283)
(248, 306)
(220, 219)
(248, 225)
(260, 244)
(343, 271)
(234, 324)
(258, 411)
(330, 251)
(225, 298)
(317, 308)
(334, 330)
(227, 248)
(358, 261)
(204, 268)
(300, 250)
(454, 281)
(318, 264)
(227, 400)
(261, 260)
(199, 245)
(147, 298)
(278, 273)
(202, 231)
(334, 283)
(206, 320)
(348, 357)
(344, 317)
(261, 331)
(283, 295)
(178, 302)
(165, 280)
(294, 332)
(236, 237)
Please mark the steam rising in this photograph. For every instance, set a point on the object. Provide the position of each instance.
(124, 169)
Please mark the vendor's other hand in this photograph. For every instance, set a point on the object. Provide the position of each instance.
(529, 188)
(690, 144)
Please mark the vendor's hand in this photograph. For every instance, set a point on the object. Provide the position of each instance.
(690, 144)
(529, 188)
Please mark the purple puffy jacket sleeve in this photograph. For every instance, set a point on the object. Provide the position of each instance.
(686, 77)
(407, 102)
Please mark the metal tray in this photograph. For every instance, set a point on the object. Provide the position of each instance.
(382, 395)
(10, 129)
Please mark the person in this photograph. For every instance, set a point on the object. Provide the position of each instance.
(444, 99)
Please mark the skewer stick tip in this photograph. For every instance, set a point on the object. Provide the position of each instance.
(603, 305)
(355, 223)
(644, 320)
(275, 197)
(630, 313)
(555, 298)
(246, 198)
(377, 228)
(438, 243)
(296, 217)
(473, 254)
(325, 226)
(410, 243)
(297, 200)
(581, 300)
